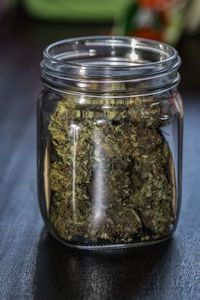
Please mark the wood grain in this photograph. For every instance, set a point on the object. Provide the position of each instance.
(35, 266)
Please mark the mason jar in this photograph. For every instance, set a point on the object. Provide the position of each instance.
(110, 125)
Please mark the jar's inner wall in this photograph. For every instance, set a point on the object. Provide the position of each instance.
(97, 53)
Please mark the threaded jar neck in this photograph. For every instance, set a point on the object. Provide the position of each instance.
(110, 66)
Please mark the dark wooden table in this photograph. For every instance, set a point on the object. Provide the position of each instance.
(35, 266)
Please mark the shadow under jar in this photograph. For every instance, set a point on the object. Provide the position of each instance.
(110, 142)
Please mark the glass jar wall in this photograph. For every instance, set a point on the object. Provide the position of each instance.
(110, 142)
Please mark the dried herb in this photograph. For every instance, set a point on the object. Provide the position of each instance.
(111, 171)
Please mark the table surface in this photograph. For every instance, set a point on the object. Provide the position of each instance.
(35, 266)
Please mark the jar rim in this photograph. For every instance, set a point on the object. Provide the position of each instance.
(110, 59)
(111, 41)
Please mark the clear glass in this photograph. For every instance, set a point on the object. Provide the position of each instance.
(110, 142)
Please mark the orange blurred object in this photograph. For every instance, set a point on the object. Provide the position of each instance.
(156, 4)
(161, 20)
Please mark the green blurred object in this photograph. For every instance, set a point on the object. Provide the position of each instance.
(81, 10)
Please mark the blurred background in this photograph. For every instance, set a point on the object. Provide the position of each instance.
(157, 19)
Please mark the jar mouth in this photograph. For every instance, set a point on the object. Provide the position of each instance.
(109, 59)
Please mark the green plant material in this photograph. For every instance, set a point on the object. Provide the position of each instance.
(111, 172)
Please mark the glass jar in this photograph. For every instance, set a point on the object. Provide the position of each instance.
(110, 142)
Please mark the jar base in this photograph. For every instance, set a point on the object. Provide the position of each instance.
(107, 247)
